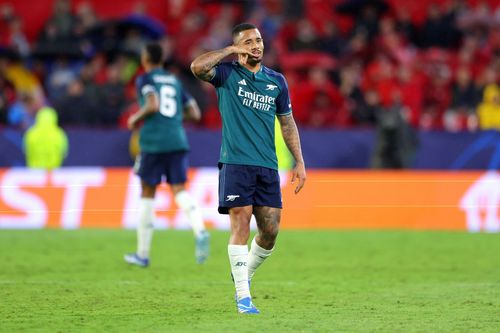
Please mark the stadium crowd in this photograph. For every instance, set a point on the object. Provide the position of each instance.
(348, 63)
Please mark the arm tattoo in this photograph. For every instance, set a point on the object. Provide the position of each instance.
(291, 136)
(203, 66)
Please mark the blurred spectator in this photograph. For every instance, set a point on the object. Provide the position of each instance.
(396, 142)
(61, 23)
(434, 30)
(89, 80)
(85, 16)
(464, 93)
(75, 107)
(133, 42)
(380, 74)
(63, 35)
(45, 143)
(317, 100)
(59, 78)
(454, 8)
(476, 21)
(15, 37)
(410, 86)
(267, 16)
(367, 17)
(127, 67)
(392, 44)
(365, 114)
(494, 37)
(218, 34)
(439, 29)
(109, 40)
(358, 46)
(436, 97)
(350, 89)
(7, 96)
(332, 42)
(6, 12)
(465, 58)
(48, 35)
(112, 102)
(189, 38)
(21, 113)
(306, 38)
(21, 77)
(487, 77)
(489, 109)
(293, 9)
(405, 26)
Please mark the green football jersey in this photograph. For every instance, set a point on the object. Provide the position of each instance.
(162, 131)
(248, 104)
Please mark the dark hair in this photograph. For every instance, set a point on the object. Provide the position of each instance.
(242, 27)
(155, 53)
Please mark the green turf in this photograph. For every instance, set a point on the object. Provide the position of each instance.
(323, 281)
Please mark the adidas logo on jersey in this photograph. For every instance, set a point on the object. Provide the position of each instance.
(243, 82)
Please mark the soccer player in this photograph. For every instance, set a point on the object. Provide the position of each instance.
(164, 150)
(250, 96)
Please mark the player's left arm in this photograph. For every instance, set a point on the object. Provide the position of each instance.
(151, 106)
(192, 111)
(292, 141)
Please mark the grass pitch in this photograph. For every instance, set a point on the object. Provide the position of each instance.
(316, 281)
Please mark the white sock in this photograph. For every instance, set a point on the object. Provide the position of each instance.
(186, 202)
(256, 257)
(145, 227)
(238, 255)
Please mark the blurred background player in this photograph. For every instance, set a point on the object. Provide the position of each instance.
(164, 149)
(250, 97)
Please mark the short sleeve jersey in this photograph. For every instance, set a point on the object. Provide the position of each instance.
(163, 131)
(249, 103)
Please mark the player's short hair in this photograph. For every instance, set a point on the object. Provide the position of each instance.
(154, 52)
(242, 27)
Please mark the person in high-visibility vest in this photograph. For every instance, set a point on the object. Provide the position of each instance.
(45, 143)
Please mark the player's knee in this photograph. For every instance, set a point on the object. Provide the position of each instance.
(148, 192)
(240, 214)
(240, 220)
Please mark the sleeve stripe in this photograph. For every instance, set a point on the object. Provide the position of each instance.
(147, 89)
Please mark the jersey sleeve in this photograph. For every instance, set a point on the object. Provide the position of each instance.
(283, 103)
(145, 86)
(222, 72)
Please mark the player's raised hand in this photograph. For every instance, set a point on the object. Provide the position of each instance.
(299, 174)
(238, 49)
(242, 52)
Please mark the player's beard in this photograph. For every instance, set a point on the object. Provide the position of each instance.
(254, 60)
